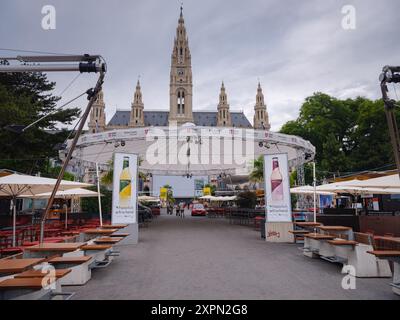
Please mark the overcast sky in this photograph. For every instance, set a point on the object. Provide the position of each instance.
(295, 48)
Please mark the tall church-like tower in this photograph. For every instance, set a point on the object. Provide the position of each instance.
(261, 119)
(223, 116)
(181, 85)
(137, 114)
(97, 121)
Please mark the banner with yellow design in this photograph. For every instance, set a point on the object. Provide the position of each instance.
(124, 200)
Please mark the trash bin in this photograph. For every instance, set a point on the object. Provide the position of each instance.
(262, 228)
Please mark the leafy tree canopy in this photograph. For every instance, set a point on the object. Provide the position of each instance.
(24, 98)
(349, 135)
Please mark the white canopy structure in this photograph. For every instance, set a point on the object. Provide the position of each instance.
(17, 185)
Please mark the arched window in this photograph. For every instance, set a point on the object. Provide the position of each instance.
(181, 101)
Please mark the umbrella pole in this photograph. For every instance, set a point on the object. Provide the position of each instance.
(98, 194)
(14, 222)
(315, 193)
(66, 215)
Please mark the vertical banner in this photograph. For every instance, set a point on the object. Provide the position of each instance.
(124, 200)
(277, 188)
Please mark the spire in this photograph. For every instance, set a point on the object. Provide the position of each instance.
(181, 20)
(223, 115)
(137, 114)
(261, 119)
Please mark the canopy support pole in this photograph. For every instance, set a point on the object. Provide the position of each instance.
(315, 193)
(14, 221)
(92, 96)
(98, 195)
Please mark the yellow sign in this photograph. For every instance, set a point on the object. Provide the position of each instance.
(163, 193)
(206, 191)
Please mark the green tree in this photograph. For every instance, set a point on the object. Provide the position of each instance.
(257, 174)
(349, 135)
(24, 98)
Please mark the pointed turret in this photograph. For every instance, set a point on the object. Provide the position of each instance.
(97, 121)
(261, 119)
(137, 113)
(223, 116)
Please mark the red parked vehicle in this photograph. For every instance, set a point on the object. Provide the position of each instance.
(198, 209)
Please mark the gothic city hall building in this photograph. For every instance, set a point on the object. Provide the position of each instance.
(180, 101)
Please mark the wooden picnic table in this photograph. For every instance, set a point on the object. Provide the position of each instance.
(319, 236)
(114, 226)
(12, 266)
(56, 247)
(385, 253)
(386, 238)
(307, 224)
(334, 228)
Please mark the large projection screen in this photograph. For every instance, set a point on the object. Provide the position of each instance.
(182, 187)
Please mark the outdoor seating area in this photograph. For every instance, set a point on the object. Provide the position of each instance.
(368, 256)
(41, 271)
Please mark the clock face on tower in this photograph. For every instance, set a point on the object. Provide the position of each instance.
(181, 72)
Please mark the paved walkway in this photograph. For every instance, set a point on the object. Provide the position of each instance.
(201, 258)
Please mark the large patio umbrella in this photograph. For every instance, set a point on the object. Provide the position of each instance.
(391, 181)
(148, 198)
(309, 190)
(354, 187)
(69, 194)
(17, 185)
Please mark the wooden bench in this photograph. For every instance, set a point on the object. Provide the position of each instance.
(119, 235)
(342, 242)
(319, 236)
(59, 273)
(79, 266)
(69, 260)
(96, 247)
(394, 257)
(108, 240)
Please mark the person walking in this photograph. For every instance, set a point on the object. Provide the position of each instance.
(182, 209)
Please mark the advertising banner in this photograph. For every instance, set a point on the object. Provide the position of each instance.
(163, 194)
(206, 191)
(124, 200)
(277, 188)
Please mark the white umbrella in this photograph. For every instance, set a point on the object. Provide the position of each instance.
(17, 185)
(391, 181)
(148, 199)
(352, 187)
(68, 194)
(309, 190)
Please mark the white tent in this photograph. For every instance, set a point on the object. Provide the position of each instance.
(17, 185)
